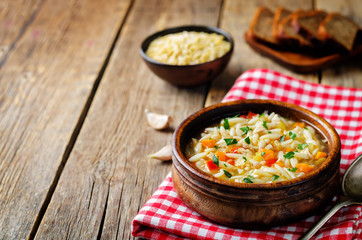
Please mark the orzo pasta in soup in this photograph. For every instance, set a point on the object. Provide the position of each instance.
(257, 148)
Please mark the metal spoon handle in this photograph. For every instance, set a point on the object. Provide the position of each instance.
(324, 219)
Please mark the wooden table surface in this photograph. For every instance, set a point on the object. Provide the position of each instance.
(73, 89)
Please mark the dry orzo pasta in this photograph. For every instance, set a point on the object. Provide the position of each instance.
(188, 48)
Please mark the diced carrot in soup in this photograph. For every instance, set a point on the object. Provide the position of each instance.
(304, 167)
(280, 163)
(234, 149)
(208, 143)
(288, 149)
(221, 156)
(299, 124)
(320, 155)
(267, 154)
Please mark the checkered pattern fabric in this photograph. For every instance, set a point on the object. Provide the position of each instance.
(165, 216)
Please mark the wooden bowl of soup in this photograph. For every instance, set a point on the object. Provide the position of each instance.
(187, 56)
(256, 164)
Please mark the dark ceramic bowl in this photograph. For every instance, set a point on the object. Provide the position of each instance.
(187, 75)
(254, 206)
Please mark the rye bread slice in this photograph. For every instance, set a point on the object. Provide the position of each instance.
(307, 23)
(340, 30)
(288, 35)
(279, 15)
(261, 25)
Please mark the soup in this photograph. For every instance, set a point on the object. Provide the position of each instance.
(257, 148)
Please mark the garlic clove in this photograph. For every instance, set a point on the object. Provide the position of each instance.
(164, 154)
(158, 121)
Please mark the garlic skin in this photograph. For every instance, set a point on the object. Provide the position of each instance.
(158, 121)
(164, 154)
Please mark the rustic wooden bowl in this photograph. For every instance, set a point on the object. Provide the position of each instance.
(187, 75)
(254, 206)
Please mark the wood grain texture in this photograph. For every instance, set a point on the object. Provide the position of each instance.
(15, 17)
(347, 74)
(108, 176)
(236, 17)
(46, 80)
(52, 58)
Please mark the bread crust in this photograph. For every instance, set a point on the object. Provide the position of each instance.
(262, 13)
(279, 15)
(286, 33)
(326, 34)
(309, 31)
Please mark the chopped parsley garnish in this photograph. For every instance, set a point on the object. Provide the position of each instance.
(294, 169)
(245, 129)
(275, 177)
(264, 124)
(292, 135)
(230, 141)
(215, 160)
(245, 159)
(289, 155)
(227, 173)
(216, 147)
(247, 140)
(282, 138)
(262, 154)
(237, 115)
(269, 131)
(226, 124)
(302, 146)
(305, 128)
(225, 165)
(247, 180)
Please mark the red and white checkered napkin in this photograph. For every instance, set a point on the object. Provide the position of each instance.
(165, 216)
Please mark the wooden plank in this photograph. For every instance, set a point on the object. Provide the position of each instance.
(15, 17)
(45, 84)
(236, 18)
(108, 176)
(347, 74)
